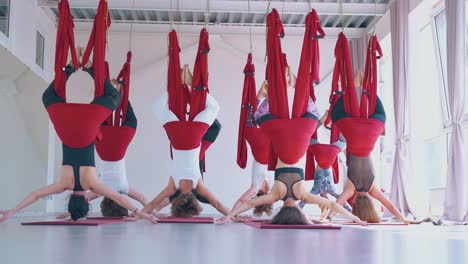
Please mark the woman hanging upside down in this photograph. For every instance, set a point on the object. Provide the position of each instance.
(78, 172)
(111, 167)
(323, 177)
(185, 187)
(262, 180)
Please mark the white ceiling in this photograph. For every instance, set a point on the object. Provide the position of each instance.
(226, 16)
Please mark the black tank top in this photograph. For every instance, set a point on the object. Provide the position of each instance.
(289, 176)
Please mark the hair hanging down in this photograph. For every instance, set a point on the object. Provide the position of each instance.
(78, 207)
(185, 205)
(289, 216)
(264, 208)
(365, 210)
(110, 208)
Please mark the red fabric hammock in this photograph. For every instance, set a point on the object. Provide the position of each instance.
(308, 71)
(186, 135)
(277, 93)
(178, 100)
(65, 42)
(114, 142)
(258, 141)
(115, 136)
(369, 91)
(77, 125)
(200, 76)
(360, 131)
(97, 44)
(289, 137)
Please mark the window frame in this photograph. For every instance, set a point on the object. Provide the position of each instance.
(437, 10)
(442, 82)
(39, 32)
(5, 37)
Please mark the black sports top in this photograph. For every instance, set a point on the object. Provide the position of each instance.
(289, 176)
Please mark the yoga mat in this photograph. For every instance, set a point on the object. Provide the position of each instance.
(194, 220)
(347, 222)
(104, 218)
(84, 222)
(263, 225)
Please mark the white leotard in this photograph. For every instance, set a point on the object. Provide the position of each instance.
(260, 174)
(185, 163)
(113, 175)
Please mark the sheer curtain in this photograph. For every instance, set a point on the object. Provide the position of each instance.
(402, 163)
(456, 191)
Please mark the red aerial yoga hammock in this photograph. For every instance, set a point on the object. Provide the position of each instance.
(324, 154)
(77, 125)
(360, 131)
(186, 135)
(116, 136)
(289, 136)
(258, 141)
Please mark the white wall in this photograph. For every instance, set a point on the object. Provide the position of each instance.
(24, 137)
(148, 161)
(22, 169)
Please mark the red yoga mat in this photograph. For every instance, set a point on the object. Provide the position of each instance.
(263, 225)
(193, 220)
(346, 222)
(105, 218)
(84, 222)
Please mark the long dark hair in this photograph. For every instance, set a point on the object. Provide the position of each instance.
(109, 208)
(78, 207)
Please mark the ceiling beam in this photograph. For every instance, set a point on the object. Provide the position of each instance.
(218, 29)
(349, 9)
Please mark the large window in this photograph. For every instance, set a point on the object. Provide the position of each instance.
(4, 17)
(39, 50)
(440, 26)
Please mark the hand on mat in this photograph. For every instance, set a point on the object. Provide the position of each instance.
(4, 215)
(132, 217)
(413, 222)
(63, 215)
(159, 215)
(363, 223)
(240, 219)
(223, 220)
(148, 217)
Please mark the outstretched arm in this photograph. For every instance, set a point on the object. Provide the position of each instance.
(264, 199)
(163, 195)
(33, 197)
(203, 191)
(245, 197)
(134, 194)
(377, 194)
(347, 193)
(333, 206)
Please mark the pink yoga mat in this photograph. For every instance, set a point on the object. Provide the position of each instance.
(347, 222)
(195, 220)
(257, 220)
(263, 225)
(104, 218)
(84, 222)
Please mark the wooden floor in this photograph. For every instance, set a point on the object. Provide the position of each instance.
(142, 242)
